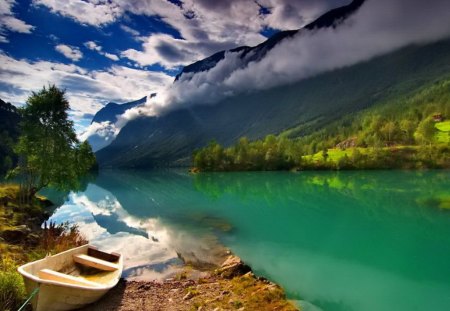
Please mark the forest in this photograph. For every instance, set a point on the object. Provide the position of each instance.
(409, 131)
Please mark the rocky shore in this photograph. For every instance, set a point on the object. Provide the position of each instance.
(232, 286)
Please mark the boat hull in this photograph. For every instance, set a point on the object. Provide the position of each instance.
(57, 298)
(54, 296)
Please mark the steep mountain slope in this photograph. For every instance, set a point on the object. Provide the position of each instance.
(250, 54)
(109, 113)
(111, 110)
(312, 103)
(9, 132)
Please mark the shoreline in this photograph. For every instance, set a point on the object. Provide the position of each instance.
(230, 285)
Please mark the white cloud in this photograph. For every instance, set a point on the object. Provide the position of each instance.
(87, 91)
(70, 52)
(288, 14)
(164, 50)
(206, 26)
(9, 22)
(113, 57)
(130, 30)
(16, 25)
(91, 45)
(106, 130)
(91, 12)
(379, 27)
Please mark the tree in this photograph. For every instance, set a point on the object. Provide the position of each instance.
(425, 131)
(49, 151)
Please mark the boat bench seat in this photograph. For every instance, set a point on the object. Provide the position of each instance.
(50, 275)
(93, 262)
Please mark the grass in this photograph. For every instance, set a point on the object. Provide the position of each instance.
(335, 154)
(52, 239)
(12, 289)
(443, 134)
(246, 292)
(443, 126)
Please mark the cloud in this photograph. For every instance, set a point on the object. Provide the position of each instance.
(164, 50)
(91, 45)
(87, 90)
(91, 12)
(377, 28)
(70, 52)
(287, 14)
(105, 130)
(9, 22)
(113, 57)
(205, 26)
(130, 30)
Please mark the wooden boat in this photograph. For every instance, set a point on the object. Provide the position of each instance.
(71, 279)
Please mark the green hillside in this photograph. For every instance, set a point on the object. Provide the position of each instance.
(304, 107)
(405, 131)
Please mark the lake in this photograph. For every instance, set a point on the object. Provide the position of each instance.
(353, 241)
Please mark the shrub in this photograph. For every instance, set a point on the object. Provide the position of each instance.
(12, 289)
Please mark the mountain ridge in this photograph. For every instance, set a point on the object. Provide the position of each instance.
(110, 111)
(249, 54)
(169, 140)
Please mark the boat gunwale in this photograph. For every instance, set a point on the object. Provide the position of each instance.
(49, 282)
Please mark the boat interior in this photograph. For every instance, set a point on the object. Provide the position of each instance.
(84, 266)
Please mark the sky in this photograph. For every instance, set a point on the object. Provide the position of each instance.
(121, 50)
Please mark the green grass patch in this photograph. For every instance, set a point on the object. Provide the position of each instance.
(443, 134)
(12, 288)
(443, 126)
(335, 154)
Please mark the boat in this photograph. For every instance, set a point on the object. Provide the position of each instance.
(71, 279)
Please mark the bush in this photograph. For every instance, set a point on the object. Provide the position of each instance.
(12, 289)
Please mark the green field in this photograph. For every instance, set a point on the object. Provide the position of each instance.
(335, 154)
(443, 135)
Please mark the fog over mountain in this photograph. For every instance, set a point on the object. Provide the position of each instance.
(378, 27)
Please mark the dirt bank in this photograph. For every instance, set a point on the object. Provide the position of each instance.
(231, 287)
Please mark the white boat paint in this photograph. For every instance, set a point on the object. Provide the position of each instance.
(59, 296)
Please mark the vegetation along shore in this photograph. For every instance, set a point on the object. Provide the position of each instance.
(410, 131)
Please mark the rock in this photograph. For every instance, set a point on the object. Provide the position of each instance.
(16, 234)
(233, 267)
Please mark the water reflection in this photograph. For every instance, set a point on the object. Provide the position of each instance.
(153, 248)
(341, 241)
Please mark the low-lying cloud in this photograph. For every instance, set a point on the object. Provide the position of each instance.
(379, 27)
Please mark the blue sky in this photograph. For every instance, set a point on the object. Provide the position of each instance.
(122, 50)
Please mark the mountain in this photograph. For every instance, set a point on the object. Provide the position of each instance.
(248, 54)
(9, 133)
(306, 106)
(112, 110)
(109, 114)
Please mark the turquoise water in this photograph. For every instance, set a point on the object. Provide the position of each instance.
(348, 241)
